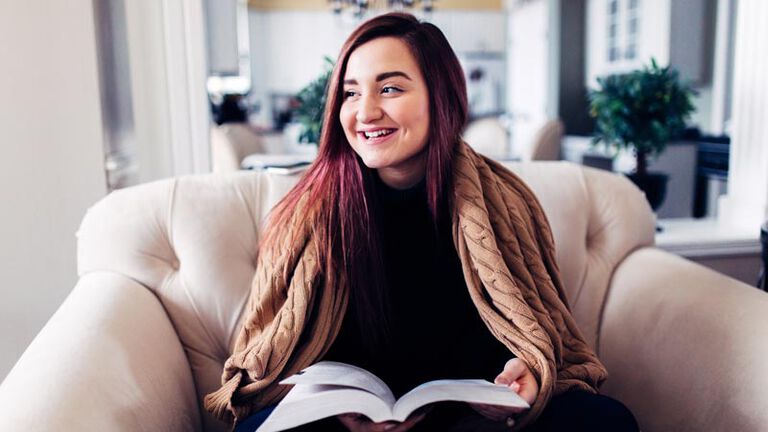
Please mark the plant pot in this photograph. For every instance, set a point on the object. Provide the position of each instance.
(654, 185)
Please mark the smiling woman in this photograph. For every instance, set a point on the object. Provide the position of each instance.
(396, 252)
(385, 113)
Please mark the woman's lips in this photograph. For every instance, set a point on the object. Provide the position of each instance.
(378, 139)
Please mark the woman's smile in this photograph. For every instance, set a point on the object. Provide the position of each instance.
(376, 135)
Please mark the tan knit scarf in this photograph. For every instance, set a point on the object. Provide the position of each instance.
(508, 257)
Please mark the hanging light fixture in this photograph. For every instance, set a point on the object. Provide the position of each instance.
(360, 7)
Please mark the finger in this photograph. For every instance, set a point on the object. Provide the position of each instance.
(359, 423)
(408, 423)
(513, 370)
(529, 393)
(528, 387)
(389, 426)
(348, 421)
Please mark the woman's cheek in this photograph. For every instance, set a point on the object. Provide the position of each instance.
(345, 118)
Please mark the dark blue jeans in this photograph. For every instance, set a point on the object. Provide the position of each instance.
(571, 412)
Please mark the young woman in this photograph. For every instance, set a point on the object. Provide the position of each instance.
(404, 252)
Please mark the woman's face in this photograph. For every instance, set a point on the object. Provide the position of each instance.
(385, 111)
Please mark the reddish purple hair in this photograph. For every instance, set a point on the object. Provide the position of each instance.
(339, 187)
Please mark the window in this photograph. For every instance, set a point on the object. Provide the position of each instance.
(623, 30)
(613, 30)
(632, 29)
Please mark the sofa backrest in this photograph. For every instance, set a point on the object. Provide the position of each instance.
(192, 241)
(597, 219)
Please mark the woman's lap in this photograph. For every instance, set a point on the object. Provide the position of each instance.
(250, 423)
(582, 411)
(572, 412)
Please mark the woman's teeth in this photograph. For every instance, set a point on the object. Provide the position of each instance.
(377, 133)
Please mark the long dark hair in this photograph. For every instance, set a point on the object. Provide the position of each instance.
(335, 192)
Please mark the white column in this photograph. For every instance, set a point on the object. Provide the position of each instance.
(168, 70)
(745, 205)
(723, 66)
(187, 70)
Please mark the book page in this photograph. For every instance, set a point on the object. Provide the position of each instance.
(474, 391)
(341, 374)
(306, 403)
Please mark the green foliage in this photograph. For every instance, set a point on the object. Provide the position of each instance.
(641, 110)
(312, 105)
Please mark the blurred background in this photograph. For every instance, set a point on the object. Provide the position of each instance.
(100, 95)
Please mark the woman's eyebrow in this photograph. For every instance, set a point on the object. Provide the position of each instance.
(385, 75)
(382, 77)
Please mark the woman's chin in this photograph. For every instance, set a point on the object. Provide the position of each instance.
(374, 163)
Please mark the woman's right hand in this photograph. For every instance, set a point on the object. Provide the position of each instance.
(361, 423)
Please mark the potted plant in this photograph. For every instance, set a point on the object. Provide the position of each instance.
(311, 98)
(642, 110)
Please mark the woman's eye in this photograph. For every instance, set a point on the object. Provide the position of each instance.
(390, 89)
(348, 94)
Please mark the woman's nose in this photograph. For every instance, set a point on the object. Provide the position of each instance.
(368, 110)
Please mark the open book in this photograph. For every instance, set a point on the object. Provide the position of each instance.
(327, 389)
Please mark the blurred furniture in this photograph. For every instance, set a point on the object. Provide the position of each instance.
(597, 161)
(678, 161)
(711, 175)
(488, 137)
(278, 163)
(232, 142)
(547, 142)
(165, 271)
(732, 249)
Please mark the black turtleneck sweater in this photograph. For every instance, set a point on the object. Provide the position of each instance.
(435, 329)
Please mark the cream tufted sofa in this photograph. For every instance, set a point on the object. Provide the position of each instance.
(165, 270)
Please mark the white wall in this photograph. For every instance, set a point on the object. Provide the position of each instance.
(287, 47)
(223, 55)
(51, 158)
(532, 72)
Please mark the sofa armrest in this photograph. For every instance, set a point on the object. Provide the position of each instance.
(109, 359)
(685, 346)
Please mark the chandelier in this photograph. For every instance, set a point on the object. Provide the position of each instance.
(359, 7)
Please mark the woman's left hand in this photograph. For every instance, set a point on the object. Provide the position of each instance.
(519, 378)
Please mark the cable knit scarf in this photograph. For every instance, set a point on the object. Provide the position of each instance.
(508, 257)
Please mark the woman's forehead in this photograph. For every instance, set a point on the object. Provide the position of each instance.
(380, 56)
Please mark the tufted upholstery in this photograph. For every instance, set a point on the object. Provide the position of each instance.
(165, 270)
(597, 219)
(192, 242)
